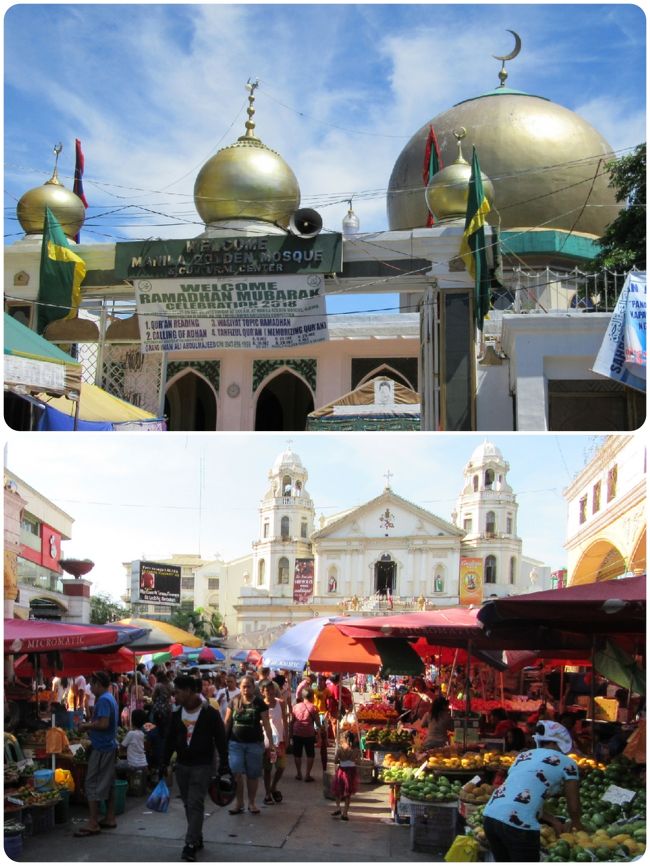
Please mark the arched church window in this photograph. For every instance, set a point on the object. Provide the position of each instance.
(286, 485)
(475, 483)
(489, 478)
(298, 488)
(513, 569)
(261, 570)
(303, 529)
(284, 527)
(467, 524)
(266, 529)
(509, 524)
(490, 569)
(283, 570)
(490, 523)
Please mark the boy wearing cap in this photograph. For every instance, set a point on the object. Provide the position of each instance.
(512, 815)
(102, 732)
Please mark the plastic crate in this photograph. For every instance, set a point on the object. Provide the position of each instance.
(42, 818)
(120, 787)
(434, 832)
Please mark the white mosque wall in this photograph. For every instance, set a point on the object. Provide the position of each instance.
(545, 347)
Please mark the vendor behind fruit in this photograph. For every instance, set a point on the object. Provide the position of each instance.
(512, 815)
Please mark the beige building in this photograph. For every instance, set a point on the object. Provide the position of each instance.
(606, 530)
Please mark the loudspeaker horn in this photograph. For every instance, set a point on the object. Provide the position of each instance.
(305, 223)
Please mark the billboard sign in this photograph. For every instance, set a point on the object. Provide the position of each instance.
(156, 583)
(303, 581)
(470, 584)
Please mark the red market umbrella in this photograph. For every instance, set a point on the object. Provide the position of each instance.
(73, 664)
(34, 636)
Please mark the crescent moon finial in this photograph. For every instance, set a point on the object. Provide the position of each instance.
(503, 57)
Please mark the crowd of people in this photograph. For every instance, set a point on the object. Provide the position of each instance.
(194, 726)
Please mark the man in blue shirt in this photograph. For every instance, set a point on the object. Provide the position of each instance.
(102, 731)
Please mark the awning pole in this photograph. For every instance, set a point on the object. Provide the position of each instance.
(468, 697)
(592, 695)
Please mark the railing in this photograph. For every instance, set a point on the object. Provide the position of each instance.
(43, 581)
(547, 289)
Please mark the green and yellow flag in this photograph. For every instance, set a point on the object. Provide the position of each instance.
(62, 272)
(472, 247)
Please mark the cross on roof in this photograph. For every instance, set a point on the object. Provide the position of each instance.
(388, 475)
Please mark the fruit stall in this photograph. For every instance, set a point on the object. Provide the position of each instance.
(614, 822)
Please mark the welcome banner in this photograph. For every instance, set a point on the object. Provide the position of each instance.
(273, 313)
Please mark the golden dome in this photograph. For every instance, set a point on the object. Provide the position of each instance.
(246, 180)
(66, 206)
(448, 189)
(540, 156)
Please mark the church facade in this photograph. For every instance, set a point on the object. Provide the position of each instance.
(386, 554)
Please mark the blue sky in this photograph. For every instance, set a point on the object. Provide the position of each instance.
(141, 499)
(154, 90)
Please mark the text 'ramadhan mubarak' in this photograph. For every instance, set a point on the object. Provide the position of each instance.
(221, 296)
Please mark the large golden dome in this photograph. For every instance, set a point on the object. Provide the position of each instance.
(66, 206)
(540, 156)
(246, 180)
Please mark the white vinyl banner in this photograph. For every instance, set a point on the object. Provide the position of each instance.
(253, 313)
(622, 355)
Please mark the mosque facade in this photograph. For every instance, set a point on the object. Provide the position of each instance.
(529, 369)
(386, 554)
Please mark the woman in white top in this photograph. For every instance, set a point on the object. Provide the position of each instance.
(276, 760)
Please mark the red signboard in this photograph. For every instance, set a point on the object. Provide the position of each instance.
(303, 581)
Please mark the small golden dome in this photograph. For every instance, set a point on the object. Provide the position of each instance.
(448, 189)
(66, 206)
(246, 180)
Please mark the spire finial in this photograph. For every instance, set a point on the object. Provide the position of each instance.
(388, 475)
(503, 57)
(251, 86)
(55, 177)
(459, 135)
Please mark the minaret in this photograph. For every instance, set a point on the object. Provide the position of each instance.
(286, 525)
(487, 511)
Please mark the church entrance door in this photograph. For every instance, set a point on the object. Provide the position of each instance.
(190, 404)
(283, 404)
(385, 571)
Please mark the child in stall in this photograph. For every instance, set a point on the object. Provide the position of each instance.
(346, 776)
(134, 743)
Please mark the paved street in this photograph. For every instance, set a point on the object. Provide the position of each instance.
(299, 829)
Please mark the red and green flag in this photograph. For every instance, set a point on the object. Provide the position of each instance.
(472, 247)
(78, 186)
(432, 164)
(61, 274)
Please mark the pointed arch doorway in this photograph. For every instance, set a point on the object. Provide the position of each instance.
(385, 575)
(283, 404)
(190, 404)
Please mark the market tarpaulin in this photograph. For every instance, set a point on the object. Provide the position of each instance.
(35, 636)
(75, 663)
(33, 364)
(618, 667)
(604, 607)
(98, 410)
